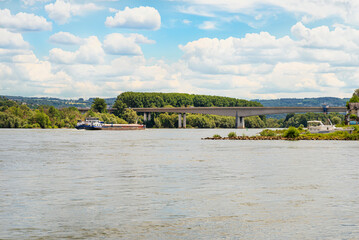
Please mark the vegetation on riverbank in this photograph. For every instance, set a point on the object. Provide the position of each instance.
(292, 133)
(16, 115)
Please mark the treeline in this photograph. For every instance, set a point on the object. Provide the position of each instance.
(303, 102)
(35, 102)
(16, 115)
(145, 100)
(167, 120)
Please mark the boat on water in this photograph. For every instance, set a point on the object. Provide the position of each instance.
(96, 124)
(319, 127)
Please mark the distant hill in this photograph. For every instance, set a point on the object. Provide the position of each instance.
(303, 102)
(57, 102)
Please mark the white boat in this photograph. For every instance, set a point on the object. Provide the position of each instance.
(319, 127)
(95, 124)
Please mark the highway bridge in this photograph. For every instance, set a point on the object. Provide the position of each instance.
(238, 112)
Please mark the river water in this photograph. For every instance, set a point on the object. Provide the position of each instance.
(170, 184)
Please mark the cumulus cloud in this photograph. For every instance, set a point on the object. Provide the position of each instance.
(65, 38)
(61, 11)
(257, 65)
(118, 44)
(307, 62)
(36, 77)
(23, 21)
(90, 52)
(10, 40)
(147, 18)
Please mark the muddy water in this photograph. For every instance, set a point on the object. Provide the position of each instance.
(170, 184)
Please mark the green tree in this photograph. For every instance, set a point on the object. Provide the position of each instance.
(292, 132)
(99, 105)
(336, 120)
(354, 99)
(119, 107)
(40, 118)
(130, 116)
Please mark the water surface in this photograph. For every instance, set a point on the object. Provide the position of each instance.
(170, 184)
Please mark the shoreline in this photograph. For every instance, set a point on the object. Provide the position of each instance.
(267, 138)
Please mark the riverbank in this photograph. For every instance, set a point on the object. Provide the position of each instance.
(292, 133)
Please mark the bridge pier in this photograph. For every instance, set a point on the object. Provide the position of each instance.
(179, 120)
(239, 121)
(184, 120)
(145, 117)
(180, 123)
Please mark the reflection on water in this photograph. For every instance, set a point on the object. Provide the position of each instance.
(170, 184)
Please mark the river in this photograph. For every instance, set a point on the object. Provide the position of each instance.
(170, 184)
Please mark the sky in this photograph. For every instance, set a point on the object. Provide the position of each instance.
(246, 49)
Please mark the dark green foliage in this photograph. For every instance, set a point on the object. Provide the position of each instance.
(140, 100)
(165, 120)
(232, 135)
(268, 133)
(99, 105)
(296, 120)
(292, 132)
(306, 102)
(21, 116)
(130, 116)
(119, 107)
(41, 119)
(201, 121)
(254, 122)
(354, 99)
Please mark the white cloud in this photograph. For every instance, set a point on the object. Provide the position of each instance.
(112, 10)
(23, 21)
(10, 40)
(61, 11)
(65, 38)
(208, 25)
(90, 52)
(308, 10)
(316, 60)
(118, 44)
(27, 75)
(147, 18)
(322, 37)
(33, 2)
(5, 70)
(139, 38)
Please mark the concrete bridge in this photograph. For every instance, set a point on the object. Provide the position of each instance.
(238, 112)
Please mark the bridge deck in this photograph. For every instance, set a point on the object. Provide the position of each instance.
(240, 111)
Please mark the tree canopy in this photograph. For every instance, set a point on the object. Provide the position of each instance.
(99, 105)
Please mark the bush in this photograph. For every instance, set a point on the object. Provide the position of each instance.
(217, 136)
(232, 135)
(292, 132)
(268, 133)
(353, 117)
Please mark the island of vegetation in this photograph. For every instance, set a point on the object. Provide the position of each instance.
(292, 133)
(15, 113)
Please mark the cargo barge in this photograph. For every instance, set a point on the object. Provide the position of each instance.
(96, 124)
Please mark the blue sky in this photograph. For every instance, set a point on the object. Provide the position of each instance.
(245, 49)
